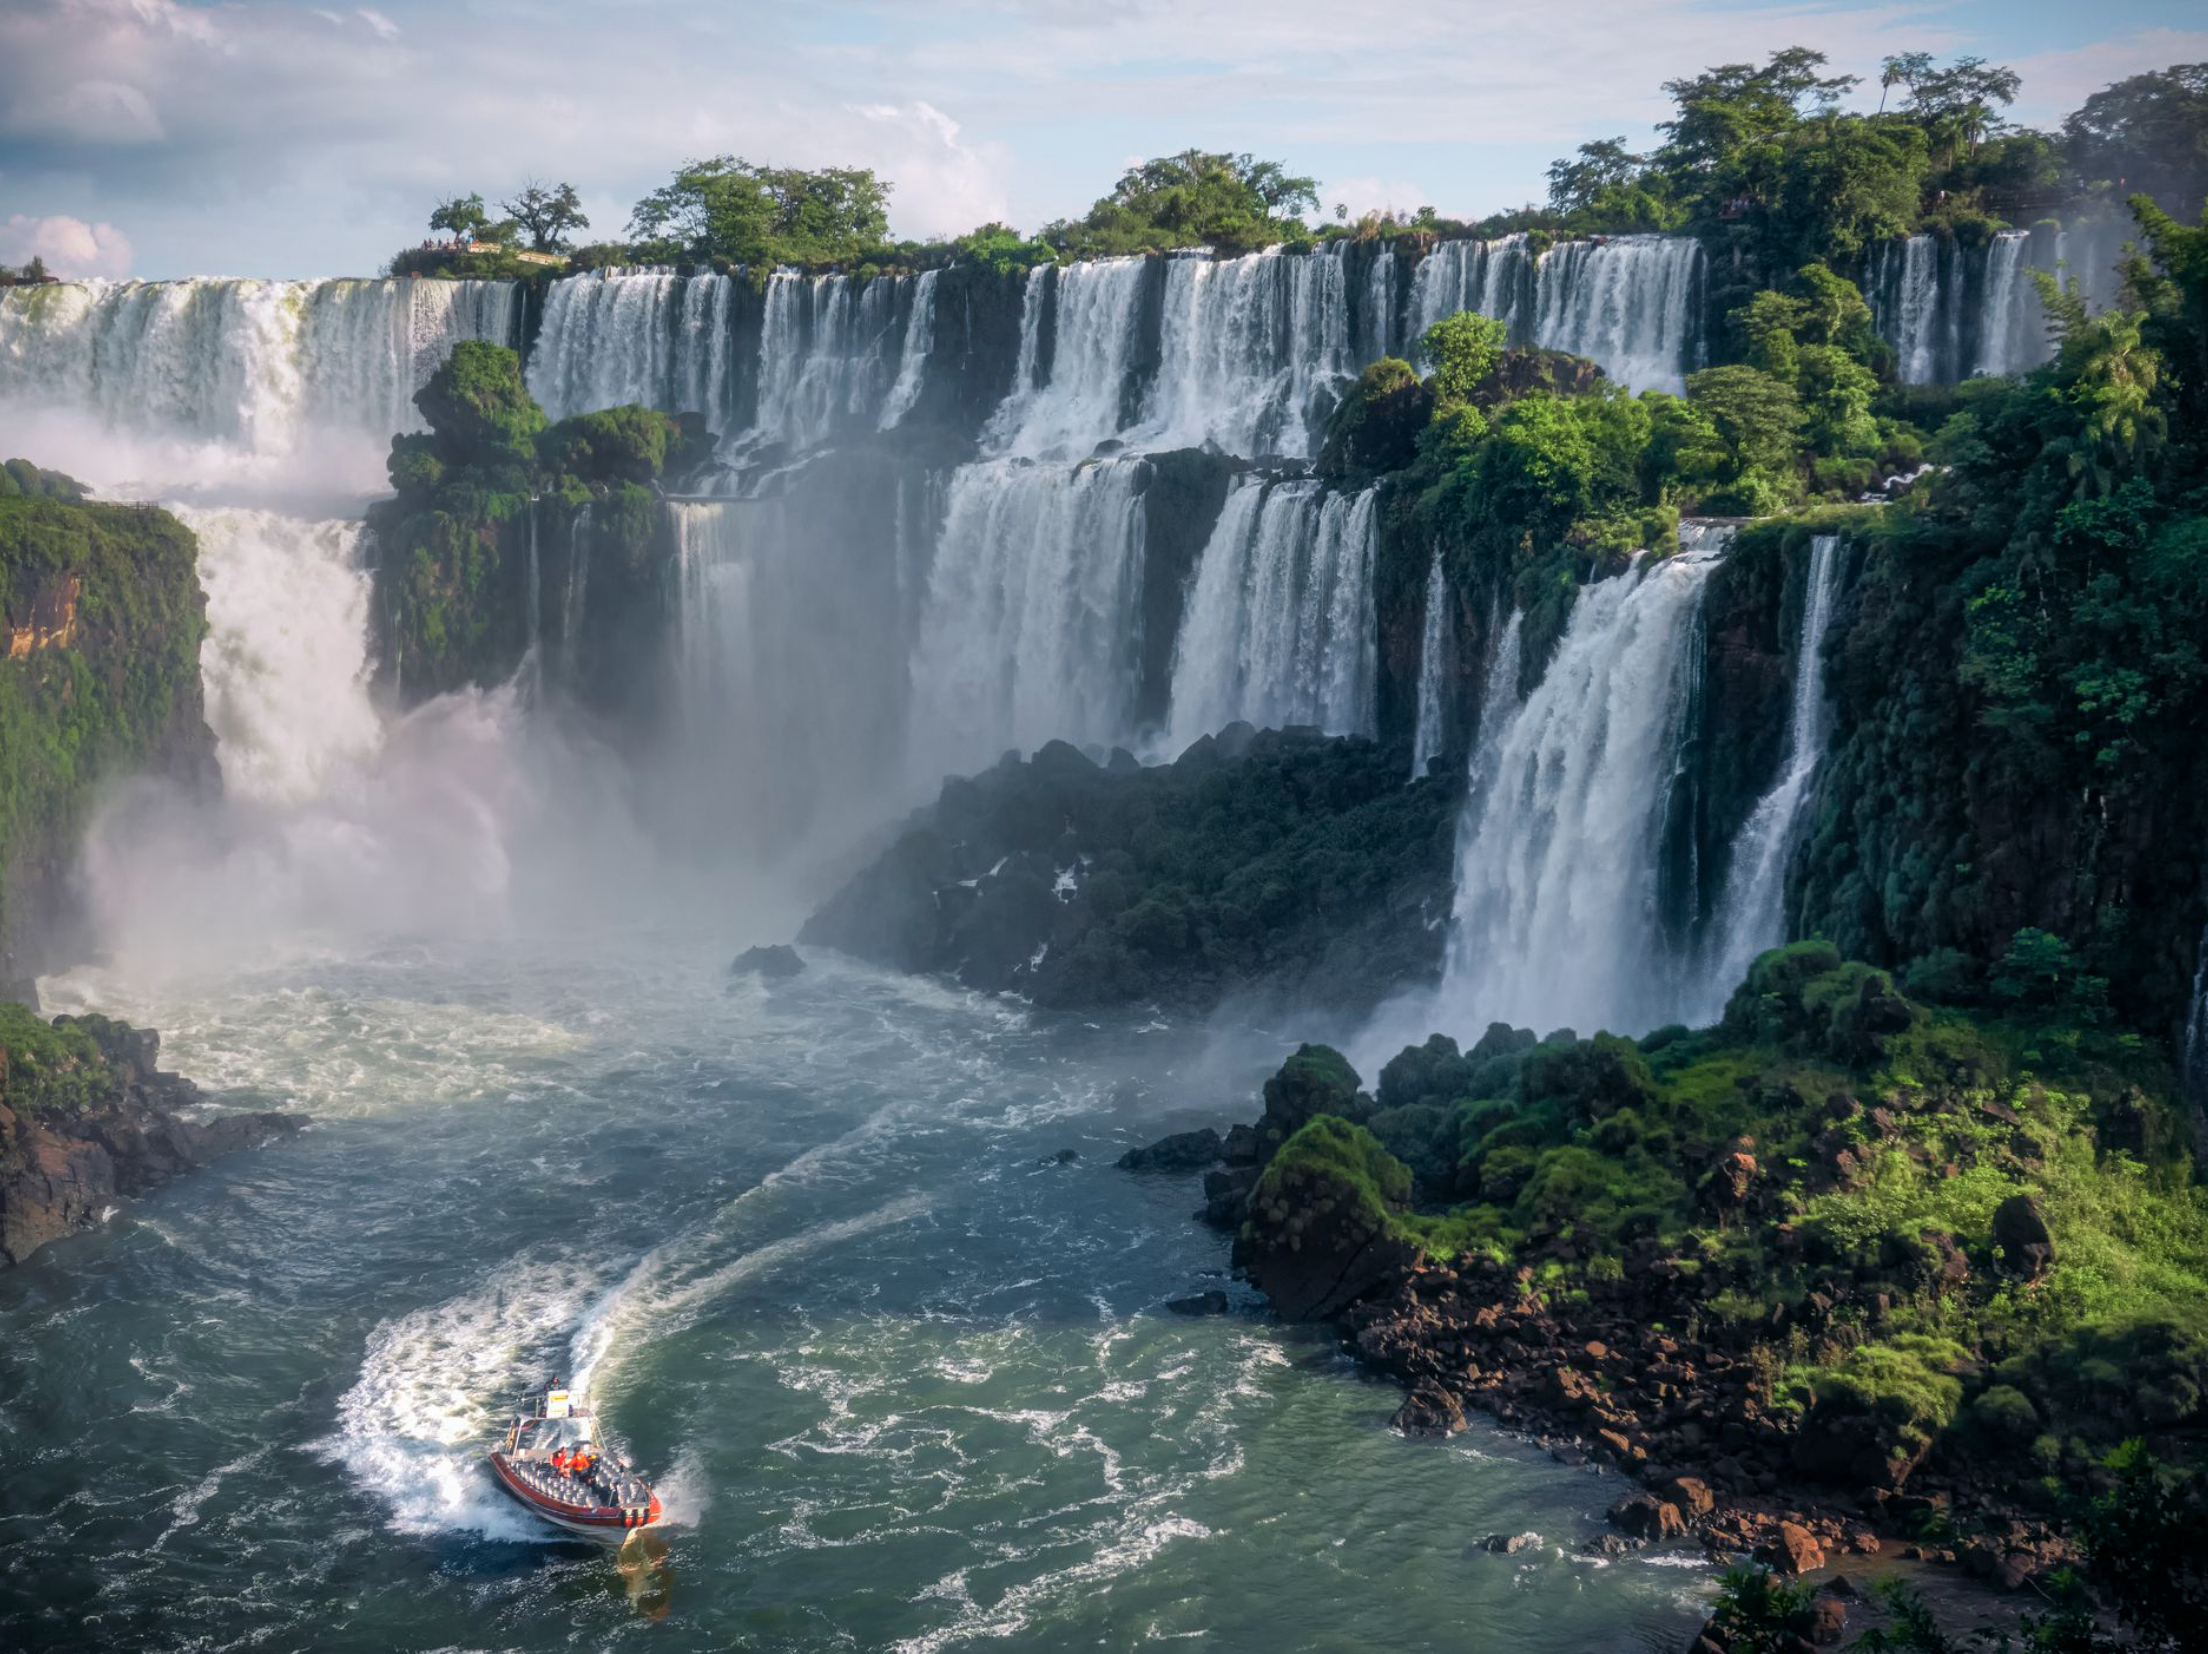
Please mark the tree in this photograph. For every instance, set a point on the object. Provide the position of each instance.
(2149, 134)
(549, 215)
(463, 216)
(1727, 112)
(1905, 70)
(1231, 202)
(1956, 104)
(1758, 417)
(1602, 165)
(1464, 349)
(759, 217)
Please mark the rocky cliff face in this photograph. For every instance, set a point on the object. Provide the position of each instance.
(1285, 863)
(102, 616)
(87, 1118)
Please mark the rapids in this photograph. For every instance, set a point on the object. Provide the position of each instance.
(904, 1379)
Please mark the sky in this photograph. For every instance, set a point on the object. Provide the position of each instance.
(163, 138)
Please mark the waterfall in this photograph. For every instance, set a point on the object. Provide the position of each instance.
(2006, 322)
(1281, 627)
(579, 536)
(1498, 701)
(1496, 278)
(1253, 353)
(827, 353)
(284, 665)
(912, 365)
(1630, 304)
(1065, 402)
(621, 336)
(1627, 303)
(1906, 297)
(1558, 872)
(1030, 627)
(256, 369)
(1427, 742)
(1752, 915)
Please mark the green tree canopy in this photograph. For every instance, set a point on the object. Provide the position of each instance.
(550, 216)
(463, 216)
(2148, 134)
(758, 216)
(1195, 198)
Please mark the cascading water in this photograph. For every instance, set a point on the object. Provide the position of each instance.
(1498, 701)
(1069, 398)
(2007, 323)
(1914, 308)
(1495, 278)
(828, 349)
(1253, 353)
(2193, 1057)
(912, 364)
(1558, 867)
(1281, 628)
(1426, 743)
(1628, 303)
(1752, 915)
(285, 663)
(257, 370)
(1029, 628)
(621, 336)
(789, 679)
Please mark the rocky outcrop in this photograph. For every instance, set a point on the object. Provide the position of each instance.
(773, 963)
(1286, 864)
(87, 1119)
(101, 615)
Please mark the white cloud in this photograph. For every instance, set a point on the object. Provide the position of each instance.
(71, 247)
(262, 137)
(2057, 82)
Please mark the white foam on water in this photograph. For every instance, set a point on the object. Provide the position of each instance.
(671, 1283)
(433, 1394)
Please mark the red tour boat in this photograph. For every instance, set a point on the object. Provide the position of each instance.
(553, 1462)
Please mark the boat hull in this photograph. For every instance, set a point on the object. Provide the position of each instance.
(608, 1524)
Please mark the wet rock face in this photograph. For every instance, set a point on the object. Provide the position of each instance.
(1183, 1151)
(770, 962)
(63, 1165)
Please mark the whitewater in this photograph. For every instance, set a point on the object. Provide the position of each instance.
(898, 1359)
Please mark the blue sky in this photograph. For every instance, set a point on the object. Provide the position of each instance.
(280, 138)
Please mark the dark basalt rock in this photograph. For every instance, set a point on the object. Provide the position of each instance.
(2022, 1238)
(1429, 1412)
(774, 962)
(63, 1164)
(1213, 1302)
(1183, 1151)
(1510, 1544)
(1277, 865)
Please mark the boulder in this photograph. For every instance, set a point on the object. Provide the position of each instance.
(1510, 1544)
(1212, 1302)
(769, 962)
(1645, 1516)
(2022, 1239)
(1792, 1550)
(1183, 1151)
(1693, 1497)
(1429, 1412)
(1321, 1231)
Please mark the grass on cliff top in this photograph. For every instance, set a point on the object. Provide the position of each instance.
(1885, 1135)
(45, 1069)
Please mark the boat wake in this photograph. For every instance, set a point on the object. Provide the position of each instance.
(429, 1401)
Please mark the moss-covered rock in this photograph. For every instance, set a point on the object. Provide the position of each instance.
(1302, 864)
(101, 618)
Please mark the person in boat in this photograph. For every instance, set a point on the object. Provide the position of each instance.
(561, 1459)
